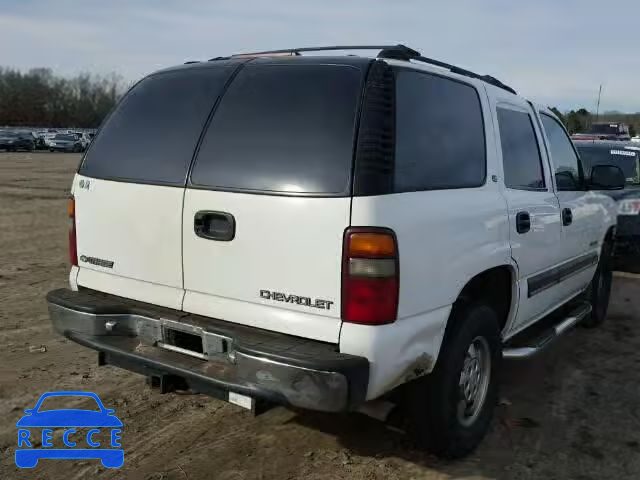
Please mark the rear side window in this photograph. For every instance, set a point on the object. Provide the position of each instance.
(152, 134)
(520, 151)
(283, 128)
(440, 139)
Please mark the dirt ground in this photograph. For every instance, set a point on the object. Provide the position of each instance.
(573, 413)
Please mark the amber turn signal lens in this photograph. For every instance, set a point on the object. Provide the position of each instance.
(371, 245)
(71, 207)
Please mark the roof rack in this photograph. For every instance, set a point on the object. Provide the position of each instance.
(395, 52)
(297, 51)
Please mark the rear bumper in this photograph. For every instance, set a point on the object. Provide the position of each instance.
(257, 363)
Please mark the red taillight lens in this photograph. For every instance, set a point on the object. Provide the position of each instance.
(73, 245)
(370, 277)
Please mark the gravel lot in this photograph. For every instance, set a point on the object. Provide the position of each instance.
(572, 413)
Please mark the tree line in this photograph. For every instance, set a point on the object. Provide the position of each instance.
(580, 120)
(38, 98)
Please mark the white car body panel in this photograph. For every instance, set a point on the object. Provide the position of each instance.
(445, 238)
(283, 244)
(449, 239)
(138, 228)
(73, 277)
(397, 352)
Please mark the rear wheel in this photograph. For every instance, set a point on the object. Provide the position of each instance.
(599, 290)
(451, 409)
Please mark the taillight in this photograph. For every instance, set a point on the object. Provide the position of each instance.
(370, 276)
(73, 244)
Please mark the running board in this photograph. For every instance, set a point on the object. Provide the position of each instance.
(537, 344)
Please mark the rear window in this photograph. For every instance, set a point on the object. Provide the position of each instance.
(283, 128)
(627, 160)
(152, 134)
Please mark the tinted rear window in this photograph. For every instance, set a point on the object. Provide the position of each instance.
(520, 152)
(152, 134)
(283, 128)
(627, 160)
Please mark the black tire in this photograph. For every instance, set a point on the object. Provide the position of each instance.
(433, 401)
(599, 290)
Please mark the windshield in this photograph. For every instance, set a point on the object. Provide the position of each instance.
(627, 160)
(65, 137)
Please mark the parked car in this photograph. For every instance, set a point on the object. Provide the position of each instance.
(84, 138)
(41, 141)
(627, 157)
(65, 142)
(349, 229)
(14, 141)
(610, 131)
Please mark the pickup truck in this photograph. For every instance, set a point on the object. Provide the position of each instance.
(626, 155)
(329, 231)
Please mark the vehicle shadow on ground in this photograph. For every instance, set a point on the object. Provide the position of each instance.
(363, 436)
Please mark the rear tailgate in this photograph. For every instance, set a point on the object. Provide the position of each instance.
(269, 198)
(130, 187)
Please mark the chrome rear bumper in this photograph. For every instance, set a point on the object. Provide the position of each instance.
(256, 363)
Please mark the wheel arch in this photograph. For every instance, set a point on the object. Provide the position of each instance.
(497, 286)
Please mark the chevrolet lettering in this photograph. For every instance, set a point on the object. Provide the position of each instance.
(306, 301)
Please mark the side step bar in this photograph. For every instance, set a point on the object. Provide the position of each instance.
(539, 343)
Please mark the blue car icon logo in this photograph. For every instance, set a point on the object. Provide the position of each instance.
(69, 420)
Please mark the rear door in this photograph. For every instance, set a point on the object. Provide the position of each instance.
(269, 199)
(130, 187)
(534, 212)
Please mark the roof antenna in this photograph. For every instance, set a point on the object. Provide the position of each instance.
(598, 105)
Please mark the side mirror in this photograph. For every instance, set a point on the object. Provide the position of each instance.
(565, 180)
(29, 411)
(606, 177)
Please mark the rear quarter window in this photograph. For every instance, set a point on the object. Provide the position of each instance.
(283, 129)
(151, 135)
(440, 138)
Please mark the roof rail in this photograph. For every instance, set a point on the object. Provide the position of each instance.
(400, 52)
(467, 73)
(296, 51)
(396, 52)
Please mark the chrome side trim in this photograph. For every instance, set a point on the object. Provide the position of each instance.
(555, 275)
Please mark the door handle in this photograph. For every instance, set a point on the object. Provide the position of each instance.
(211, 225)
(523, 222)
(567, 216)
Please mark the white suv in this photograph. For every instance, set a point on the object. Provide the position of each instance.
(317, 231)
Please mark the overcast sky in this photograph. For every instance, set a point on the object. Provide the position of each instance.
(556, 52)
